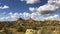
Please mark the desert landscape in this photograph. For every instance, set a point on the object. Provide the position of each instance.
(40, 27)
(29, 16)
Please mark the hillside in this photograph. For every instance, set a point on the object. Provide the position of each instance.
(20, 26)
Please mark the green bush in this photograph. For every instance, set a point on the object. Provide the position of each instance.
(21, 29)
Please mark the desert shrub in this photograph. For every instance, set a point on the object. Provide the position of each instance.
(33, 27)
(7, 31)
(1, 32)
(0, 27)
(21, 29)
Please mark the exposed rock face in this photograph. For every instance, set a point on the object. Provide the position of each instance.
(20, 20)
(31, 20)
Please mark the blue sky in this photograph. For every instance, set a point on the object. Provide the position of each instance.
(21, 6)
(18, 6)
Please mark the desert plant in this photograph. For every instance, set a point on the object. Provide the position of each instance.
(21, 29)
(7, 31)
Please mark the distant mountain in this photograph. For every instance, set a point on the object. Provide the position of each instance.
(30, 20)
(20, 19)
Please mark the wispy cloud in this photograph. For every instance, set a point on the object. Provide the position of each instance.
(4, 7)
(31, 1)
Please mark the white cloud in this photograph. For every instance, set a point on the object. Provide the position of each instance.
(31, 1)
(4, 7)
(35, 16)
(15, 16)
(56, 2)
(38, 13)
(45, 9)
(42, 18)
(32, 9)
(2, 19)
(25, 16)
(50, 7)
(55, 17)
(11, 17)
